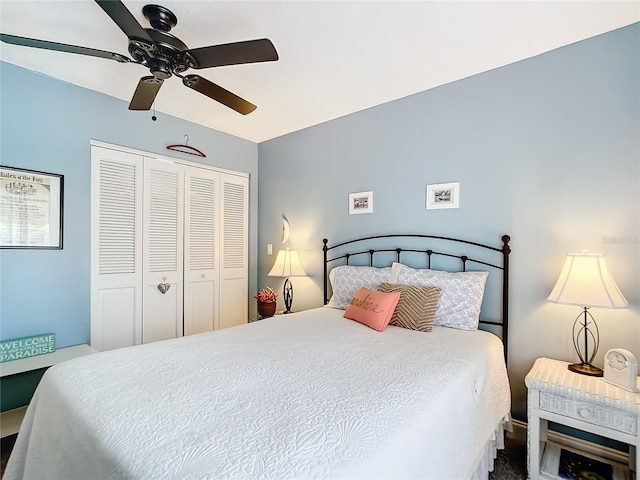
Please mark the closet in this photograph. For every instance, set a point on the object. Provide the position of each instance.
(169, 247)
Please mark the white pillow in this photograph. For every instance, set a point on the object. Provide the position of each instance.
(461, 297)
(346, 281)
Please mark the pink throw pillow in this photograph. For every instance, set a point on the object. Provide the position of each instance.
(372, 308)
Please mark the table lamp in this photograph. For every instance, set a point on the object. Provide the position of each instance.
(287, 265)
(585, 281)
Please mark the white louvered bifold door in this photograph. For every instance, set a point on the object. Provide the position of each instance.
(234, 250)
(201, 251)
(162, 250)
(116, 252)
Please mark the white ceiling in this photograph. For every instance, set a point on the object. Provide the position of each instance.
(336, 57)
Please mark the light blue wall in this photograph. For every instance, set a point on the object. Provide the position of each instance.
(47, 125)
(546, 150)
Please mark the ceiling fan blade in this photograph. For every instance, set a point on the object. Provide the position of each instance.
(125, 20)
(218, 93)
(62, 47)
(250, 51)
(145, 93)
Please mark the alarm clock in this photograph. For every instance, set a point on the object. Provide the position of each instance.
(621, 369)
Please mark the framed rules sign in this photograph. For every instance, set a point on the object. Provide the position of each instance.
(30, 209)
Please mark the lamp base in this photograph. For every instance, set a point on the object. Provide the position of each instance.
(287, 293)
(585, 369)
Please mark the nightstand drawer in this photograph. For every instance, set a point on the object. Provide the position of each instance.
(607, 417)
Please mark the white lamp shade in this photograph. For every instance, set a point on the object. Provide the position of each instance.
(287, 265)
(585, 281)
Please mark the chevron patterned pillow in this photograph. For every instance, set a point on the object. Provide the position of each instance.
(417, 307)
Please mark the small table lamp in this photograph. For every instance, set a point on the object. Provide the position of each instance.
(585, 281)
(287, 265)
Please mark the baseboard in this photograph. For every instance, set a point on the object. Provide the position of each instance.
(520, 433)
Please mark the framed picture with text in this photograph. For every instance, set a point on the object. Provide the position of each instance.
(31, 208)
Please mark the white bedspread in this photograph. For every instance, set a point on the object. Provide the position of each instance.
(308, 395)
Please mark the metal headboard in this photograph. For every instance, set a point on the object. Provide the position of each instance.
(502, 265)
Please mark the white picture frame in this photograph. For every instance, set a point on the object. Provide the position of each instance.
(360, 202)
(443, 195)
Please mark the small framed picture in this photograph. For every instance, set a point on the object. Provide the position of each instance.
(443, 195)
(361, 202)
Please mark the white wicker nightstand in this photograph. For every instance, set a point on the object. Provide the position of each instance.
(578, 401)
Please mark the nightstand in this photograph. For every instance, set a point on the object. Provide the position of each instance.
(578, 401)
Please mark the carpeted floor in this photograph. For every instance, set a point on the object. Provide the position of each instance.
(511, 463)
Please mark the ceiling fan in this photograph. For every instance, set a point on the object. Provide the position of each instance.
(166, 55)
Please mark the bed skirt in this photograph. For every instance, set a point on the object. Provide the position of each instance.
(490, 451)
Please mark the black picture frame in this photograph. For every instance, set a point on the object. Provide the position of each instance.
(31, 209)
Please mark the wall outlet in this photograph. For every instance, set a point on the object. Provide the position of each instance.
(269, 249)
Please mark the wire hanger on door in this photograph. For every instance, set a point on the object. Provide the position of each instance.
(186, 148)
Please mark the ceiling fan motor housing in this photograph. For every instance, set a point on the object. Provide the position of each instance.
(166, 58)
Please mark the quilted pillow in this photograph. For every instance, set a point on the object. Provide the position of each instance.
(372, 308)
(416, 309)
(461, 296)
(346, 280)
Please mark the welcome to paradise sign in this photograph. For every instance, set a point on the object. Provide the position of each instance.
(27, 347)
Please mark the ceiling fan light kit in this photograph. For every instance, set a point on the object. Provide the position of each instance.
(165, 55)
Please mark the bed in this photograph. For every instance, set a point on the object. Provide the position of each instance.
(306, 395)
